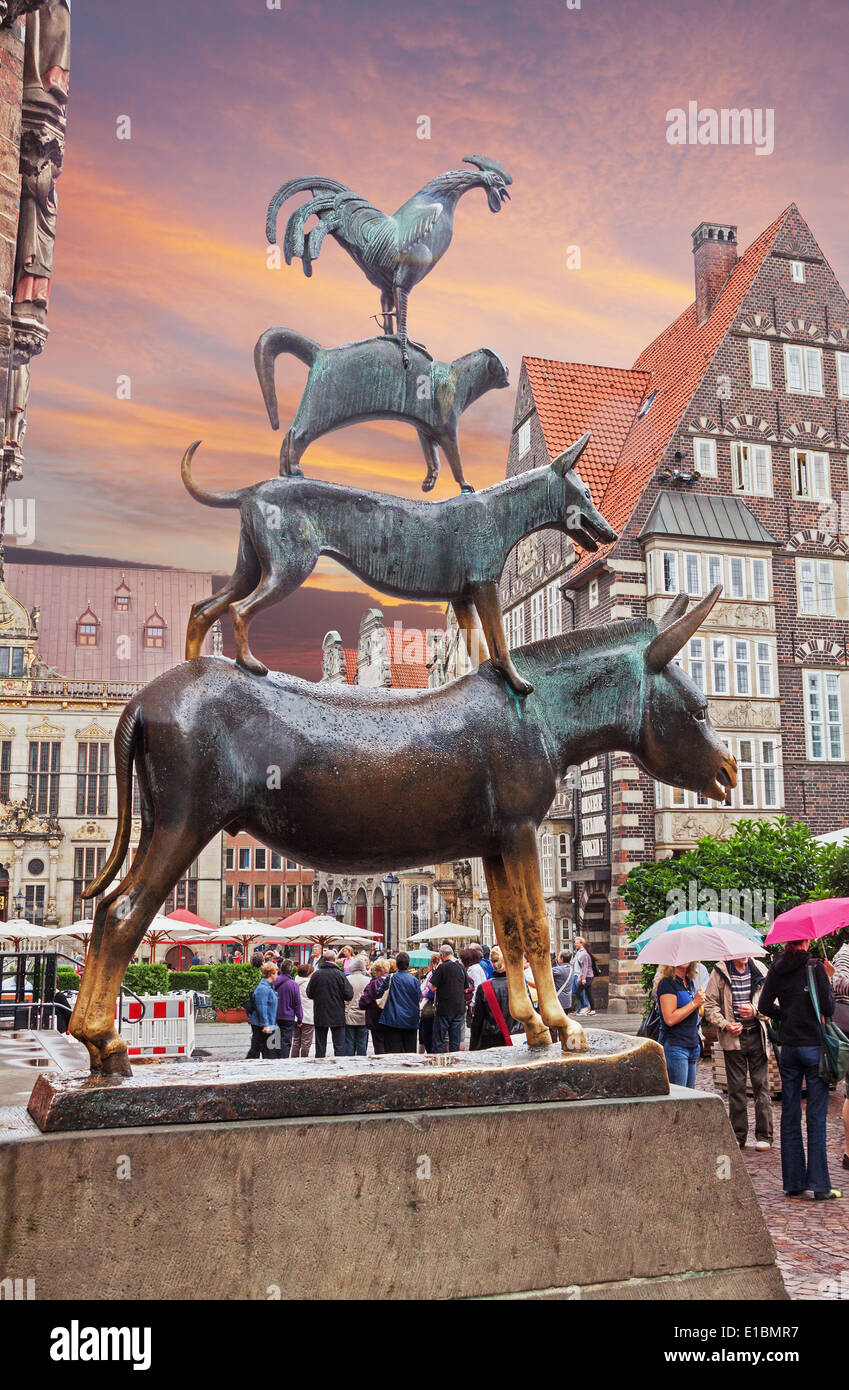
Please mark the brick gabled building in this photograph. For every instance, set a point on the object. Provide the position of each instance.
(721, 456)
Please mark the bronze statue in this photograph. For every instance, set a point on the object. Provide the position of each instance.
(452, 551)
(395, 252)
(362, 780)
(364, 381)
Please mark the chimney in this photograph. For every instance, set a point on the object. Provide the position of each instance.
(715, 253)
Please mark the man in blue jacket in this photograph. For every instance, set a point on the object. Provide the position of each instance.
(263, 1015)
(400, 1019)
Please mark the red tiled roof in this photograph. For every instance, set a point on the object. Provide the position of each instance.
(572, 397)
(350, 665)
(673, 366)
(410, 676)
(404, 674)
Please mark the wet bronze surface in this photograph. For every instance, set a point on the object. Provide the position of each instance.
(616, 1066)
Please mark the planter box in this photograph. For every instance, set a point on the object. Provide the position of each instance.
(231, 1016)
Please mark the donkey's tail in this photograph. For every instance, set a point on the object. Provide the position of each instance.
(125, 740)
(208, 499)
(273, 342)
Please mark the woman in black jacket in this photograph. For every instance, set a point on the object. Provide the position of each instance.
(487, 1030)
(786, 998)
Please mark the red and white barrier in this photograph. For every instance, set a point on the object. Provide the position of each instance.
(166, 1028)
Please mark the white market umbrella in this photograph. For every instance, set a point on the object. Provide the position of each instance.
(324, 931)
(446, 931)
(19, 930)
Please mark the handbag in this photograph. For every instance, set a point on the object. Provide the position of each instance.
(383, 999)
(650, 1026)
(834, 1050)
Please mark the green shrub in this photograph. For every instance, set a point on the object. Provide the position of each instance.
(67, 978)
(189, 979)
(147, 979)
(230, 985)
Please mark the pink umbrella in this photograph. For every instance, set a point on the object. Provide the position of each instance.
(698, 943)
(810, 921)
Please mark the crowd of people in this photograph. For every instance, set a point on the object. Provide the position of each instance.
(461, 999)
(752, 1009)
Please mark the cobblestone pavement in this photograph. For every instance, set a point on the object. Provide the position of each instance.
(811, 1238)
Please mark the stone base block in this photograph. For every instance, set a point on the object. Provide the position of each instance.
(601, 1199)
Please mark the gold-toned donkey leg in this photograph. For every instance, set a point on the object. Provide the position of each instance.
(488, 604)
(505, 915)
(522, 864)
(206, 610)
(467, 621)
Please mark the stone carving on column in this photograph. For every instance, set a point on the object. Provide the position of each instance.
(45, 97)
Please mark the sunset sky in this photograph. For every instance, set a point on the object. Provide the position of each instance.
(161, 270)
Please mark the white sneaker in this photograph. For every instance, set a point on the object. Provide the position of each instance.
(585, 1010)
(592, 1011)
(763, 1144)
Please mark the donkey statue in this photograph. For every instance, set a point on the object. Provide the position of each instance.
(364, 780)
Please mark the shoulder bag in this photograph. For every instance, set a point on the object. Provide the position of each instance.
(834, 1049)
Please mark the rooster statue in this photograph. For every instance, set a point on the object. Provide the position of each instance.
(396, 252)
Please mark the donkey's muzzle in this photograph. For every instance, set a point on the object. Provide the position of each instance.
(724, 779)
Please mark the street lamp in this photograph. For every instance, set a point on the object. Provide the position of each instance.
(389, 884)
(243, 898)
(19, 904)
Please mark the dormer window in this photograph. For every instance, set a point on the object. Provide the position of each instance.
(646, 405)
(154, 632)
(122, 597)
(88, 629)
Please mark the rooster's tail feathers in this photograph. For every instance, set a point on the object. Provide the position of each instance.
(314, 185)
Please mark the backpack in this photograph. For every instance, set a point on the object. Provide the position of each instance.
(249, 1005)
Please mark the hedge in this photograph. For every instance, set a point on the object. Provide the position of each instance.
(147, 979)
(230, 985)
(67, 978)
(189, 979)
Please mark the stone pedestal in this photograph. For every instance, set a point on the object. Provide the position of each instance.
(644, 1198)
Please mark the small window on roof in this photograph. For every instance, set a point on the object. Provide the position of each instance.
(88, 629)
(122, 597)
(154, 631)
(646, 405)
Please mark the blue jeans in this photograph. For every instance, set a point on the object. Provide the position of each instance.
(450, 1028)
(796, 1174)
(579, 999)
(681, 1064)
(356, 1040)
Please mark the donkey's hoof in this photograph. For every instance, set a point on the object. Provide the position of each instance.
(429, 483)
(515, 681)
(539, 1038)
(250, 663)
(116, 1064)
(466, 487)
(574, 1039)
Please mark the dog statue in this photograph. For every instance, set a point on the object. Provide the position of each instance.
(365, 381)
(451, 552)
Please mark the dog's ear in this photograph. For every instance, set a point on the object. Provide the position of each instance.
(566, 461)
(498, 366)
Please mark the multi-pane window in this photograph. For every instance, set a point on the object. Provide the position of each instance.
(524, 438)
(760, 584)
(259, 895)
(714, 570)
(696, 662)
(769, 760)
(823, 716)
(292, 899)
(537, 616)
(763, 669)
(842, 363)
(719, 666)
(306, 895)
(704, 453)
(592, 597)
(154, 632)
(746, 772)
(797, 269)
(554, 616)
(11, 661)
(87, 864)
(43, 779)
(737, 576)
(547, 862)
(751, 466)
(692, 574)
(275, 895)
(742, 669)
(668, 572)
(87, 630)
(803, 370)
(276, 860)
(758, 778)
(228, 896)
(5, 769)
(34, 910)
(93, 779)
(516, 619)
(564, 862)
(810, 473)
(759, 358)
(186, 891)
(260, 857)
(815, 585)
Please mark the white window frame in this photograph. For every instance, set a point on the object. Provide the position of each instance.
(592, 594)
(763, 667)
(564, 862)
(537, 616)
(760, 385)
(692, 560)
(546, 857)
(770, 764)
(553, 609)
(814, 577)
(719, 659)
(672, 555)
(797, 270)
(825, 685)
(714, 563)
(812, 495)
(524, 442)
(244, 850)
(805, 356)
(746, 772)
(759, 566)
(229, 859)
(841, 367)
(736, 566)
(742, 667)
(704, 456)
(697, 662)
(751, 468)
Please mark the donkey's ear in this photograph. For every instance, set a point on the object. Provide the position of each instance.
(567, 460)
(671, 639)
(677, 607)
